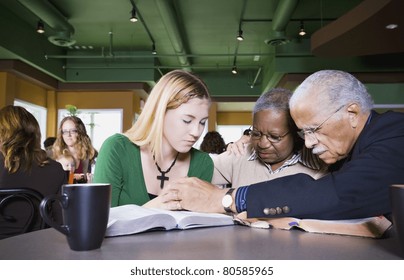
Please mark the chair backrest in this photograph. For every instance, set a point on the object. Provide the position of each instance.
(29, 200)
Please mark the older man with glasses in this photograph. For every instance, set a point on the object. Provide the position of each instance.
(274, 149)
(363, 148)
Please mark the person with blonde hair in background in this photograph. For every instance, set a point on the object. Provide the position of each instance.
(158, 147)
(23, 164)
(72, 139)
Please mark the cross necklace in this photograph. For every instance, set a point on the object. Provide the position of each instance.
(163, 176)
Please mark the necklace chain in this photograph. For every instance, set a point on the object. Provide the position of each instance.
(163, 176)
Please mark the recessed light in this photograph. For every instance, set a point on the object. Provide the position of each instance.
(391, 26)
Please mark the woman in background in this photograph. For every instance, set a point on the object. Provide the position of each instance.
(158, 147)
(273, 149)
(23, 164)
(72, 139)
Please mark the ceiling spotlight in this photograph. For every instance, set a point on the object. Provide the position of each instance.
(391, 26)
(234, 70)
(302, 32)
(154, 49)
(240, 35)
(40, 28)
(133, 17)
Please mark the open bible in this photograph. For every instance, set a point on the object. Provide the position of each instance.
(373, 227)
(131, 219)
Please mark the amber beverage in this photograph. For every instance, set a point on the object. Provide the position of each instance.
(71, 177)
(70, 174)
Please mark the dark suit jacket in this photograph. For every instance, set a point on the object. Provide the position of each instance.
(358, 186)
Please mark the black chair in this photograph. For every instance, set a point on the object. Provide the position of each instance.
(26, 202)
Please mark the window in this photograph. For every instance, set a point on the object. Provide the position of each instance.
(231, 133)
(38, 112)
(100, 123)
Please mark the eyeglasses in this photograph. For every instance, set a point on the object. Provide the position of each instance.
(69, 132)
(311, 131)
(257, 135)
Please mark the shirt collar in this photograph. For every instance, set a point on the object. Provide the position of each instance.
(292, 161)
(304, 156)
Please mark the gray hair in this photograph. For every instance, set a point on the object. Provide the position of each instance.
(335, 88)
(277, 99)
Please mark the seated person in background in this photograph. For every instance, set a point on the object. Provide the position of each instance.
(364, 151)
(213, 143)
(275, 148)
(72, 136)
(158, 148)
(67, 162)
(23, 164)
(48, 145)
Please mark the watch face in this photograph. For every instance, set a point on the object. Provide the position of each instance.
(227, 201)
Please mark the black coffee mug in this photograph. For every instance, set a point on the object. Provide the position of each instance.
(85, 209)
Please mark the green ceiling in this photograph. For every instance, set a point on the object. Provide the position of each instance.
(199, 35)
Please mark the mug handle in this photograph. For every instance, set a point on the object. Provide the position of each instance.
(44, 213)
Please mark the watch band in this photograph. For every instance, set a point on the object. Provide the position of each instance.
(228, 208)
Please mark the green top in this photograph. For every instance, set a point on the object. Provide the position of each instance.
(119, 164)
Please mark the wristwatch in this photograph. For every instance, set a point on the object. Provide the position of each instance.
(227, 201)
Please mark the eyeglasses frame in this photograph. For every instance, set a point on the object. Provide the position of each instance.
(280, 138)
(70, 132)
(311, 131)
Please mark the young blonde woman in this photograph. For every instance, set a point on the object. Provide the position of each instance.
(157, 149)
(72, 139)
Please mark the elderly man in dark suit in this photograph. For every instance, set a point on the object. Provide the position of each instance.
(363, 148)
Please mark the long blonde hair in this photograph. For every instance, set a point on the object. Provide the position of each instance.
(172, 90)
